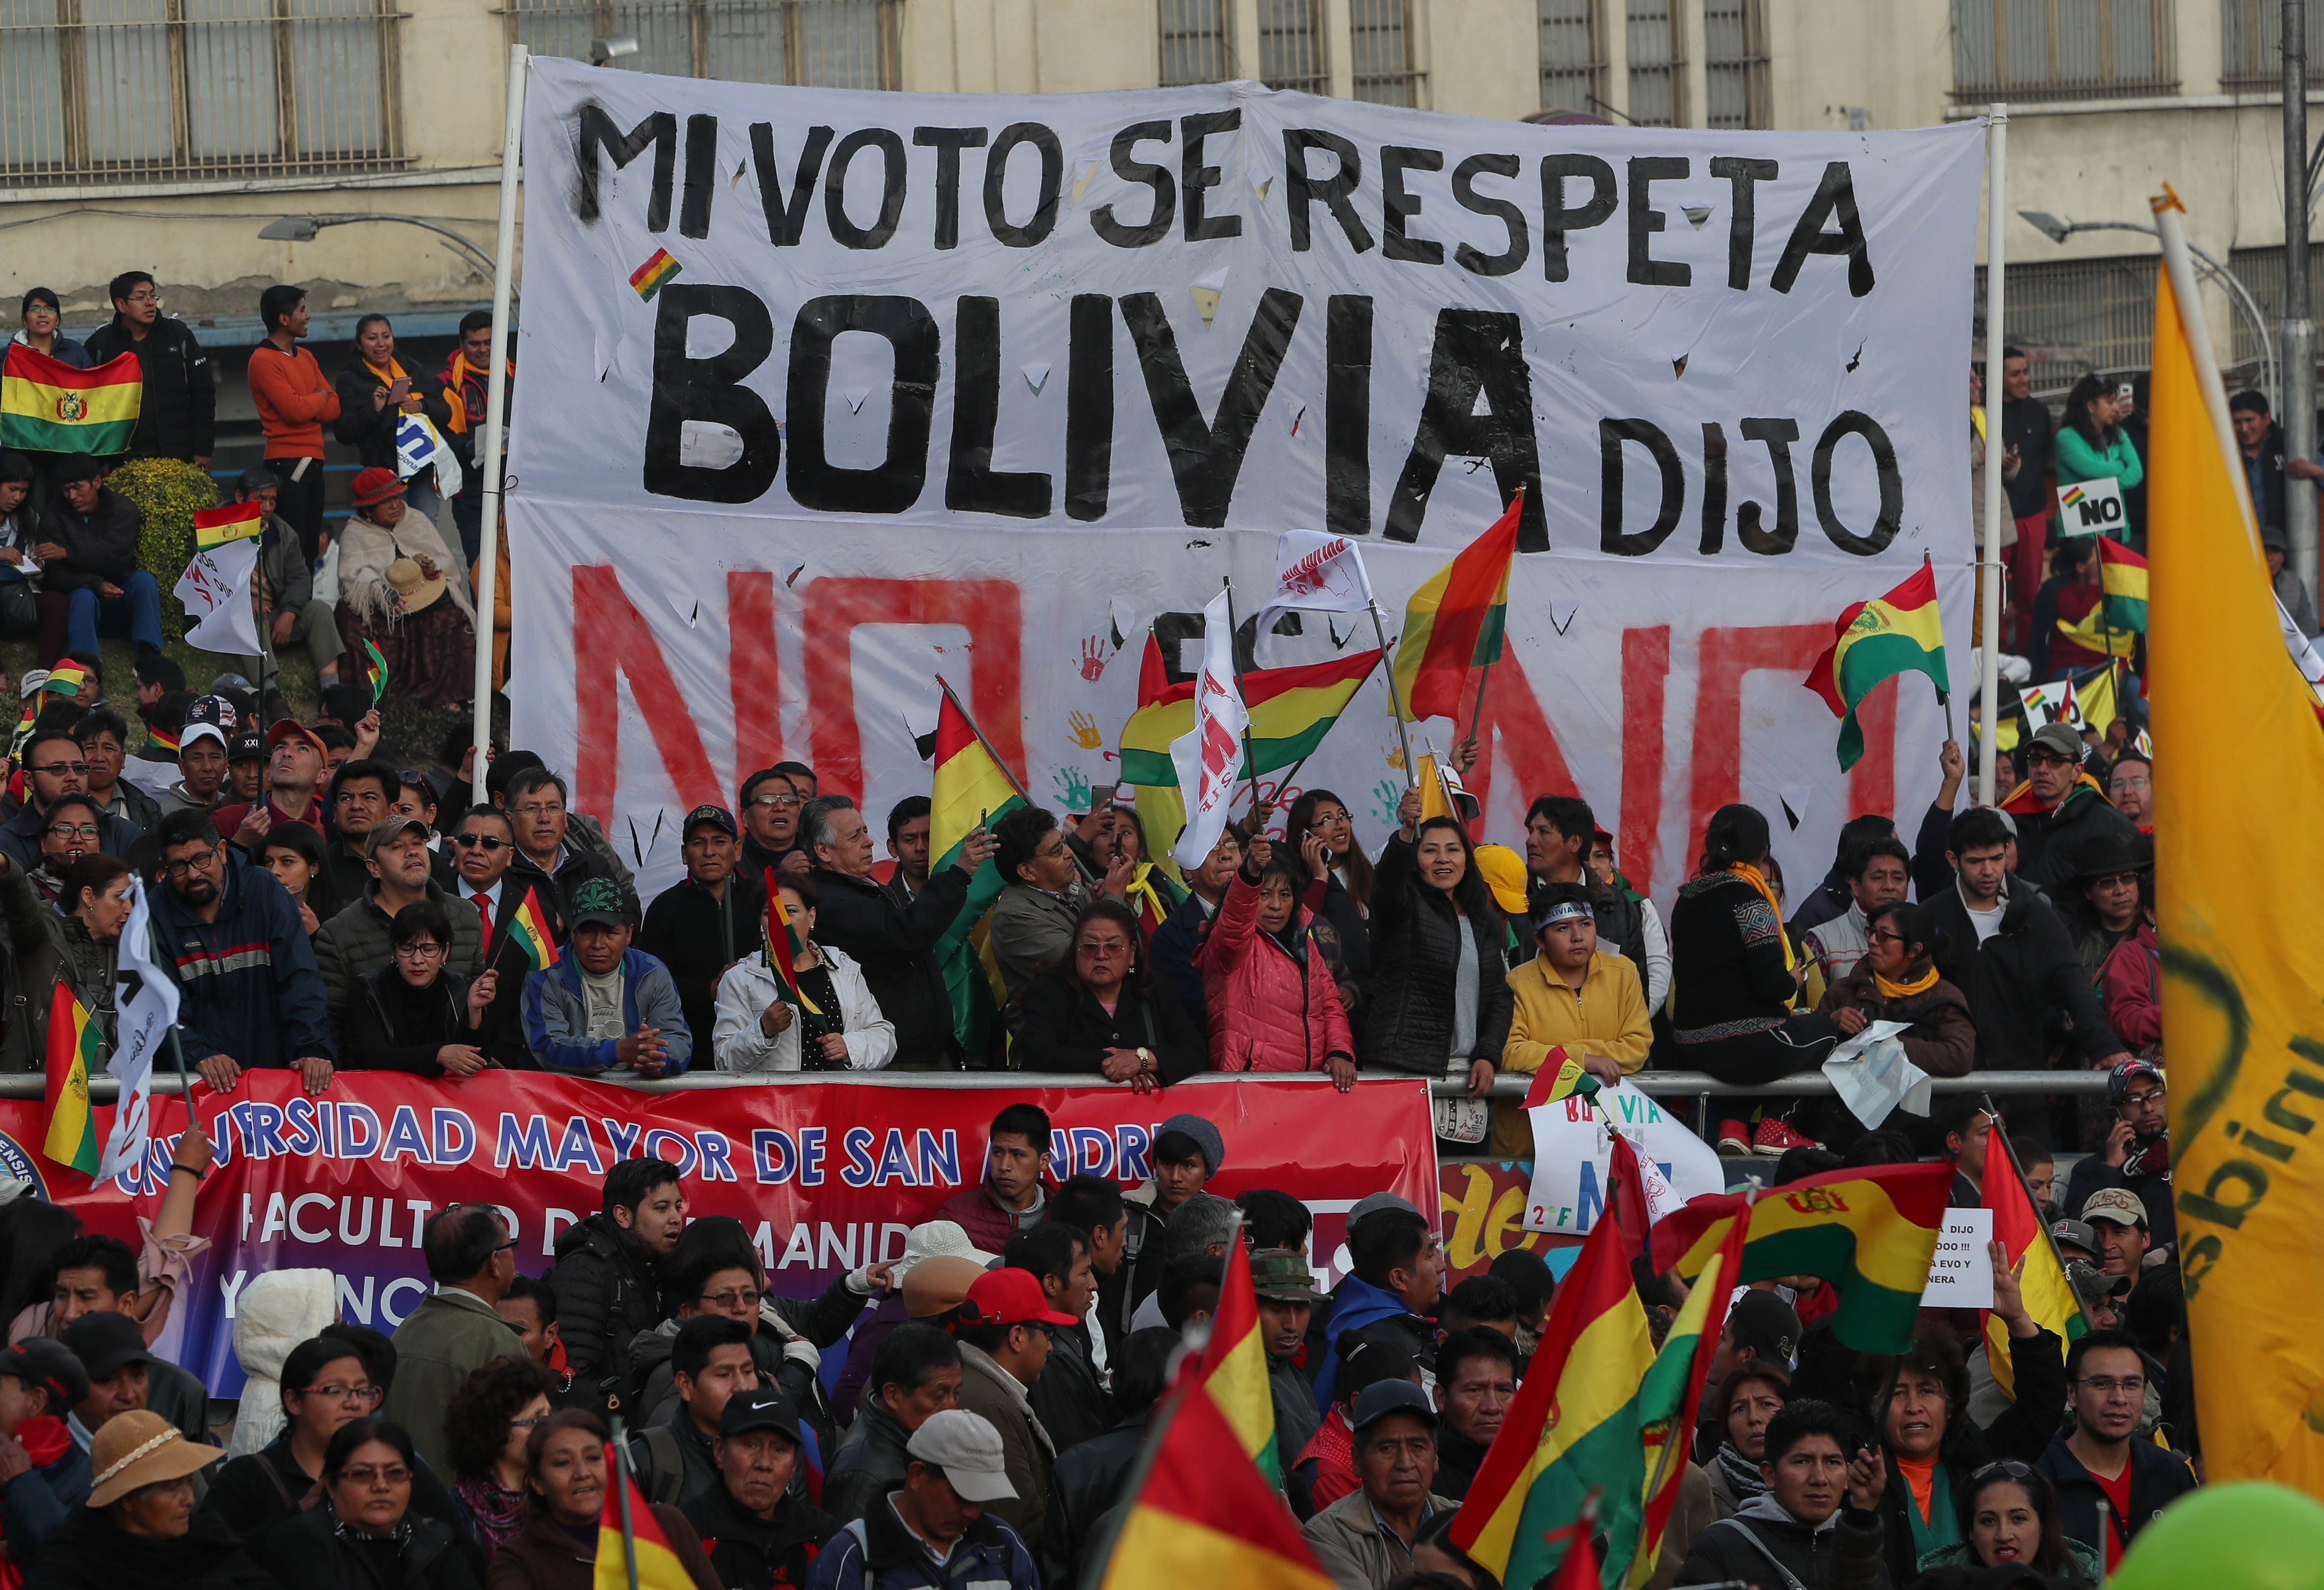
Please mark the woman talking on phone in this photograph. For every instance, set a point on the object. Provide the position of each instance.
(375, 394)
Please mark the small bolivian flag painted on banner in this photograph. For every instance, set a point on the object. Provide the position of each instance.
(213, 527)
(47, 406)
(648, 277)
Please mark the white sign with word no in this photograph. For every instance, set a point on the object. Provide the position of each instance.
(1961, 1275)
(1573, 1146)
(2090, 507)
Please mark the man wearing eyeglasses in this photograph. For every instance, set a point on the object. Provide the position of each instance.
(769, 804)
(554, 853)
(55, 767)
(2102, 1458)
(232, 939)
(177, 415)
(470, 1257)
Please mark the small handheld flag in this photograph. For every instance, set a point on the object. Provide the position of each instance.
(1561, 1076)
(1874, 641)
(76, 1047)
(633, 1553)
(213, 527)
(374, 670)
(528, 930)
(783, 947)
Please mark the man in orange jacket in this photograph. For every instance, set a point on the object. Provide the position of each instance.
(293, 400)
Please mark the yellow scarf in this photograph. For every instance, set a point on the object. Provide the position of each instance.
(1976, 420)
(1751, 875)
(390, 376)
(1921, 984)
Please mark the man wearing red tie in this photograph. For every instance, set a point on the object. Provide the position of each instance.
(483, 846)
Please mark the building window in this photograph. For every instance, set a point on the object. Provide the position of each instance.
(1291, 45)
(1380, 49)
(1573, 56)
(1198, 41)
(119, 90)
(2075, 318)
(1735, 63)
(1657, 63)
(823, 43)
(2061, 48)
(2251, 42)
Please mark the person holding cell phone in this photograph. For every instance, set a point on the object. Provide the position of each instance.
(375, 392)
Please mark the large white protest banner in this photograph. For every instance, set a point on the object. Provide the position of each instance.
(950, 384)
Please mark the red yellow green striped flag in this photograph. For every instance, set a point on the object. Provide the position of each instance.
(1202, 1518)
(1572, 1428)
(783, 947)
(1877, 640)
(658, 1566)
(1870, 1234)
(76, 1048)
(234, 521)
(167, 739)
(2122, 575)
(971, 790)
(648, 278)
(1291, 710)
(1671, 1395)
(1234, 1366)
(1454, 621)
(374, 670)
(528, 930)
(1560, 1076)
(47, 406)
(2019, 1228)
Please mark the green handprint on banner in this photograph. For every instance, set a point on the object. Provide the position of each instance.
(1386, 796)
(1073, 787)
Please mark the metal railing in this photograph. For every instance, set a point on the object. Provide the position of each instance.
(2022, 49)
(1196, 41)
(821, 43)
(128, 90)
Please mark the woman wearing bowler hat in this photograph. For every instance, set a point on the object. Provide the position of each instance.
(402, 589)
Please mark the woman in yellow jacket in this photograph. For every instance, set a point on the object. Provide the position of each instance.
(1570, 997)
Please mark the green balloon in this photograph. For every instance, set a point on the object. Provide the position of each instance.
(2251, 1534)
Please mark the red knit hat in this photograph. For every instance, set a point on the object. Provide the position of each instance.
(376, 486)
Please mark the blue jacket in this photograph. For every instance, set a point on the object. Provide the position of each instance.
(1172, 953)
(247, 979)
(1356, 1303)
(556, 1014)
(989, 1556)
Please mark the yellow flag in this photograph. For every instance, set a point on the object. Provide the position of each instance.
(2242, 962)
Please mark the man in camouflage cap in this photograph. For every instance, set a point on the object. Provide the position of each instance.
(1287, 1291)
(604, 1006)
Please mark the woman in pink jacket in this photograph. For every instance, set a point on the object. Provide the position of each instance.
(1267, 981)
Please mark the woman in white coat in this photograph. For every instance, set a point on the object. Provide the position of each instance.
(760, 1029)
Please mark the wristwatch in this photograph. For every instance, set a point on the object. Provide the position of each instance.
(1147, 1057)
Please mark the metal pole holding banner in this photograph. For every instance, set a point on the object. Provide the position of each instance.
(491, 456)
(1394, 706)
(2298, 398)
(1989, 693)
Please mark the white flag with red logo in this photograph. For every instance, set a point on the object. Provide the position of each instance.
(1209, 758)
(1314, 573)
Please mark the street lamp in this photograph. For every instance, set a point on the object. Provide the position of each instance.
(304, 229)
(2057, 228)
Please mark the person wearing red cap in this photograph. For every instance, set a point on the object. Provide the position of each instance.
(1003, 1327)
(401, 588)
(294, 770)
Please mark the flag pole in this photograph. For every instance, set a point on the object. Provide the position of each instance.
(968, 718)
(1395, 704)
(492, 449)
(1944, 698)
(621, 1482)
(1234, 656)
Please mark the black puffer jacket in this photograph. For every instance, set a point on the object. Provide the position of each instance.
(607, 1291)
(177, 417)
(1415, 957)
(894, 948)
(2055, 847)
(101, 545)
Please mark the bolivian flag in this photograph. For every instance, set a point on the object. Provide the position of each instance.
(528, 931)
(658, 1567)
(1869, 1234)
(1671, 1395)
(1291, 710)
(1574, 1426)
(47, 406)
(1559, 1076)
(1874, 640)
(1234, 1367)
(213, 527)
(2121, 575)
(1454, 621)
(783, 947)
(1203, 1519)
(76, 1048)
(2095, 632)
(972, 788)
(2049, 1296)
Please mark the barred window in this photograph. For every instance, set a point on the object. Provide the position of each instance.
(1574, 55)
(823, 43)
(1291, 45)
(2061, 48)
(1198, 41)
(1658, 64)
(123, 90)
(2251, 42)
(1735, 63)
(1380, 50)
(2076, 317)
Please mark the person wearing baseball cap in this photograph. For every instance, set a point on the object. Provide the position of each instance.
(1364, 1540)
(245, 761)
(357, 945)
(2136, 1154)
(2076, 1239)
(2101, 1292)
(1003, 1326)
(604, 1006)
(943, 1529)
(2064, 819)
(707, 921)
(1286, 1290)
(201, 762)
(755, 1531)
(41, 1383)
(2119, 1218)
(294, 778)
(87, 551)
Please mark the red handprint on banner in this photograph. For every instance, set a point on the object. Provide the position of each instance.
(1093, 659)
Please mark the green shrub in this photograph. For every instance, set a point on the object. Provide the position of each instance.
(167, 492)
